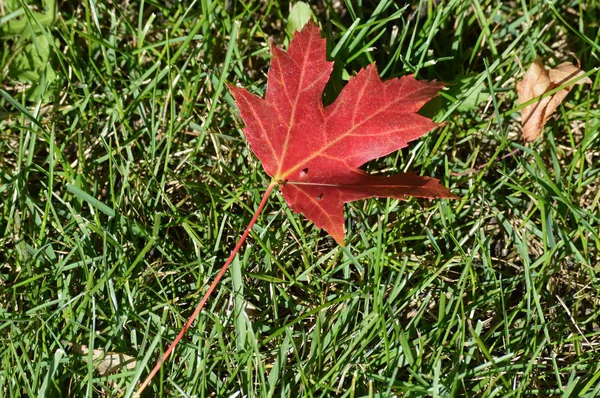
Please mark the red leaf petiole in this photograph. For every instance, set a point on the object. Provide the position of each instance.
(212, 286)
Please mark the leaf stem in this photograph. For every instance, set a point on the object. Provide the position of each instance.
(212, 286)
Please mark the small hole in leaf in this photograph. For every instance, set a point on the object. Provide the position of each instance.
(320, 196)
(304, 172)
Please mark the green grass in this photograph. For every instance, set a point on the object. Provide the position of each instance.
(125, 180)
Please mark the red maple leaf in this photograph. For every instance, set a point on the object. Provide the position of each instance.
(314, 152)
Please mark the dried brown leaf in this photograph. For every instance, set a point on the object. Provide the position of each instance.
(537, 81)
(106, 362)
(565, 72)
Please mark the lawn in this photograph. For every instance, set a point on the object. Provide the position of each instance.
(126, 180)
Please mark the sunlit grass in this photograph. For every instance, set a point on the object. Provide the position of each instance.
(125, 180)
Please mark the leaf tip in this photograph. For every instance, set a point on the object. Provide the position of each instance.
(452, 196)
(340, 239)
